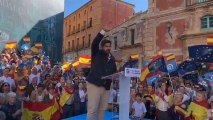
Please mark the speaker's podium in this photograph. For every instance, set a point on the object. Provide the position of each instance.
(123, 92)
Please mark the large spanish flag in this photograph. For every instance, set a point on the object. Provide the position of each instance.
(144, 73)
(210, 40)
(10, 45)
(64, 97)
(40, 111)
(85, 60)
(170, 57)
(134, 57)
(197, 111)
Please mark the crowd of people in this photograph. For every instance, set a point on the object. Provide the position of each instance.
(181, 100)
(168, 99)
(38, 82)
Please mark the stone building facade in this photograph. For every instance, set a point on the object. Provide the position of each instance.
(168, 25)
(82, 26)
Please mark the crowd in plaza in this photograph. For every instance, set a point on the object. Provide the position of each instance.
(24, 84)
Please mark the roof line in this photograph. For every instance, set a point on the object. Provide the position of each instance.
(126, 3)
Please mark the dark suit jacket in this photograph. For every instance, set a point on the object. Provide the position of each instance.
(100, 65)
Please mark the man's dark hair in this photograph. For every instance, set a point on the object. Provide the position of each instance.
(105, 41)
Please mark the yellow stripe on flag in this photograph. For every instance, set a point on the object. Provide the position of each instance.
(10, 45)
(76, 64)
(134, 57)
(64, 97)
(170, 57)
(85, 60)
(34, 49)
(144, 73)
(66, 66)
(210, 40)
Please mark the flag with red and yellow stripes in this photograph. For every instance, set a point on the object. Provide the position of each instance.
(170, 57)
(38, 45)
(144, 73)
(64, 97)
(10, 45)
(66, 66)
(85, 60)
(34, 50)
(26, 39)
(75, 64)
(134, 57)
(197, 110)
(40, 111)
(210, 40)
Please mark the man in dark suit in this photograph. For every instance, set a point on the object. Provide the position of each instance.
(102, 64)
(31, 87)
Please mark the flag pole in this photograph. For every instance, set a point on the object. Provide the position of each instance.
(171, 83)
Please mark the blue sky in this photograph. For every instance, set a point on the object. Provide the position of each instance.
(72, 5)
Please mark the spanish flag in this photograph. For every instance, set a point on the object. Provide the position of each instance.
(134, 57)
(170, 57)
(34, 50)
(38, 45)
(64, 97)
(66, 66)
(26, 39)
(40, 111)
(28, 56)
(144, 73)
(210, 40)
(197, 111)
(75, 64)
(10, 45)
(85, 60)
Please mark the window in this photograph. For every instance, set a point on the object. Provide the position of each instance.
(79, 27)
(85, 12)
(90, 22)
(89, 40)
(72, 44)
(77, 44)
(69, 30)
(207, 22)
(69, 47)
(115, 43)
(83, 43)
(79, 15)
(74, 18)
(132, 36)
(73, 29)
(91, 8)
(84, 24)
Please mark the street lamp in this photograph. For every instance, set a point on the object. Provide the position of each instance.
(169, 26)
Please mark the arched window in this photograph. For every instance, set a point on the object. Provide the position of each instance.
(207, 22)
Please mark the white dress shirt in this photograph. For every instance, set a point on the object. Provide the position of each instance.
(162, 104)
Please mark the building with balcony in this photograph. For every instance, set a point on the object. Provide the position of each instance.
(81, 26)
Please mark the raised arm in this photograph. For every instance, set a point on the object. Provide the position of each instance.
(96, 42)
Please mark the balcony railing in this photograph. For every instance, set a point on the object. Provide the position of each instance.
(194, 3)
